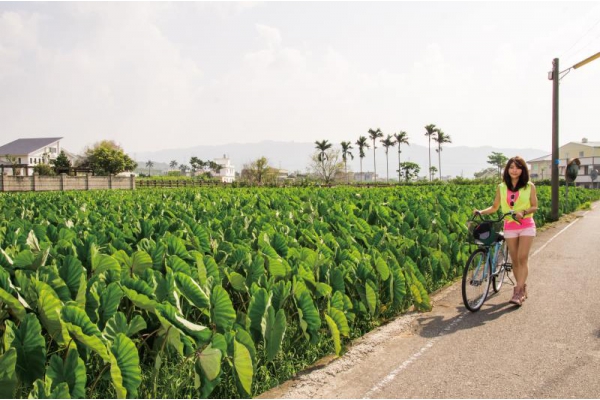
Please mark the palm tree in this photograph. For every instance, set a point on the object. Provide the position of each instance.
(322, 146)
(375, 134)
(362, 144)
(149, 164)
(183, 168)
(432, 172)
(173, 164)
(429, 131)
(441, 138)
(401, 138)
(346, 146)
(387, 143)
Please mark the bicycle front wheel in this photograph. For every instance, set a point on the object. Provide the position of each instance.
(476, 280)
(500, 269)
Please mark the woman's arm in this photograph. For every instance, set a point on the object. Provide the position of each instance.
(534, 203)
(494, 207)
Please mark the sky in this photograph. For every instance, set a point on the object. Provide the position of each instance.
(163, 75)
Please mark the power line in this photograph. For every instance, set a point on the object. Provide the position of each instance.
(578, 40)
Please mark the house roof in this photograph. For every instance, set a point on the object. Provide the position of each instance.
(26, 146)
(591, 144)
(543, 158)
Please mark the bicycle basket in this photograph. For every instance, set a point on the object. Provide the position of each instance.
(484, 232)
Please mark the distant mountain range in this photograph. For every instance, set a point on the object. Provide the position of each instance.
(292, 156)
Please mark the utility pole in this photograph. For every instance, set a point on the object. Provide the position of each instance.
(555, 77)
(555, 161)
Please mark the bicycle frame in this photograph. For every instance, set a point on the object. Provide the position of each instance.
(491, 256)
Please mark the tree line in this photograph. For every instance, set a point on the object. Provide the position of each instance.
(406, 170)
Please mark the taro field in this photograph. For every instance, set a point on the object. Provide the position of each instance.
(214, 292)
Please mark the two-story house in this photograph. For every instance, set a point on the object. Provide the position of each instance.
(23, 155)
(588, 154)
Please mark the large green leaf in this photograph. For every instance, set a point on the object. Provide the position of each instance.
(242, 364)
(15, 308)
(335, 334)
(192, 291)
(210, 361)
(110, 298)
(238, 281)
(42, 391)
(73, 274)
(275, 266)
(281, 291)
(212, 269)
(8, 375)
(382, 268)
(71, 371)
(140, 262)
(173, 316)
(118, 324)
(27, 339)
(103, 262)
(309, 315)
(84, 331)
(276, 326)
(140, 300)
(179, 265)
(126, 355)
(207, 385)
(257, 312)
(371, 297)
(337, 280)
(340, 320)
(51, 276)
(49, 308)
(222, 312)
(399, 287)
(279, 243)
(116, 377)
(92, 299)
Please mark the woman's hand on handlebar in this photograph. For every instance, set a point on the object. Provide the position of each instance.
(476, 212)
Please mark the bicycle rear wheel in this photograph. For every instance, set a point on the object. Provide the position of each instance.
(476, 280)
(501, 261)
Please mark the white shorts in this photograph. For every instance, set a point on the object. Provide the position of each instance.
(515, 233)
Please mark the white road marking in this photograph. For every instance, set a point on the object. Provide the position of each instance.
(554, 237)
(390, 377)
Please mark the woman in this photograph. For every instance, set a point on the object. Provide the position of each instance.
(516, 193)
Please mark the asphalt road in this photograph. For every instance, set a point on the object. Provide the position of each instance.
(548, 348)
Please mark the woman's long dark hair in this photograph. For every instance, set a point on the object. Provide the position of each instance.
(523, 179)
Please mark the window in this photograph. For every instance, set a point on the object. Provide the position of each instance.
(581, 154)
(19, 160)
(30, 160)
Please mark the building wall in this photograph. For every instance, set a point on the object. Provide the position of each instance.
(64, 182)
(541, 169)
(578, 150)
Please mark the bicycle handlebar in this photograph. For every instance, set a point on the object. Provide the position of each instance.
(511, 213)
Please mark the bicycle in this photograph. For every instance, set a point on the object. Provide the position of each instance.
(490, 262)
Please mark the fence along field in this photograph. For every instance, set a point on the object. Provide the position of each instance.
(214, 292)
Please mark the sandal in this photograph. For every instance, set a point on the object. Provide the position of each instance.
(524, 293)
(516, 299)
